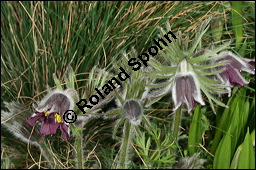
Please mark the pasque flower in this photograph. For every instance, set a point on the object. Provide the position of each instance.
(187, 70)
(186, 89)
(231, 72)
(50, 111)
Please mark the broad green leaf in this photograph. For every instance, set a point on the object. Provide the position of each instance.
(247, 155)
(222, 156)
(236, 128)
(195, 137)
(253, 137)
(237, 21)
(244, 114)
(236, 158)
(222, 122)
(242, 50)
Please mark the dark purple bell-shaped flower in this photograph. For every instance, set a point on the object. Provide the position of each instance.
(231, 74)
(50, 112)
(186, 90)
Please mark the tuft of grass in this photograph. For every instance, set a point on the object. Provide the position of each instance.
(40, 39)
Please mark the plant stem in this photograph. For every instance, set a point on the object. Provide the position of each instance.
(176, 122)
(125, 145)
(79, 148)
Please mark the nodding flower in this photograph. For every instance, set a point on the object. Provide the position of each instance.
(50, 111)
(186, 88)
(189, 69)
(231, 72)
(186, 91)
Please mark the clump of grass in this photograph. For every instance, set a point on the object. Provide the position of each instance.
(42, 38)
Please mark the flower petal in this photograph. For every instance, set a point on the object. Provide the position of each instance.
(250, 66)
(239, 63)
(186, 90)
(189, 93)
(225, 81)
(65, 131)
(48, 127)
(58, 102)
(234, 76)
(177, 94)
(37, 117)
(197, 92)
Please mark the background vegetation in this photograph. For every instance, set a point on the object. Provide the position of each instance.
(42, 38)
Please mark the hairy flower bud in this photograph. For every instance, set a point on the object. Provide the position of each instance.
(132, 111)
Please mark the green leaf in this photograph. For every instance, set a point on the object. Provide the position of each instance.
(222, 123)
(118, 124)
(57, 82)
(212, 97)
(207, 55)
(112, 113)
(158, 76)
(195, 137)
(247, 155)
(209, 73)
(237, 21)
(159, 85)
(204, 27)
(222, 156)
(242, 50)
(71, 77)
(119, 97)
(170, 55)
(217, 30)
(253, 137)
(235, 158)
(236, 127)
(167, 69)
(191, 51)
(203, 67)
